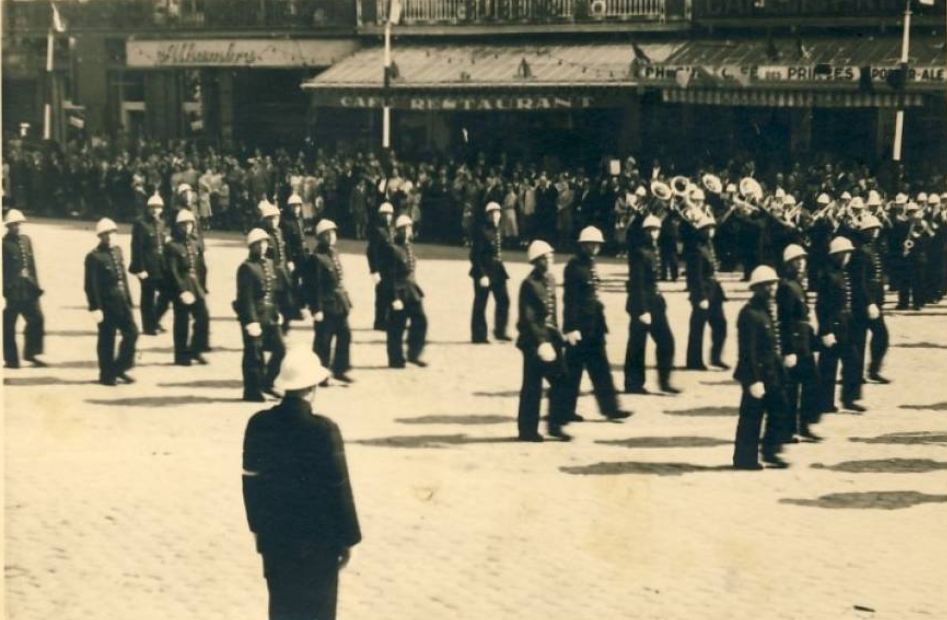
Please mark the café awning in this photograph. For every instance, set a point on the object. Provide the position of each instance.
(789, 98)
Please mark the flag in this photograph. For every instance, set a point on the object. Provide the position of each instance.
(394, 12)
(59, 24)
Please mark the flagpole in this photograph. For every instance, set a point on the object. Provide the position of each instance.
(48, 106)
(905, 47)
(386, 112)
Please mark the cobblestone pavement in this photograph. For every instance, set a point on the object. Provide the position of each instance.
(125, 502)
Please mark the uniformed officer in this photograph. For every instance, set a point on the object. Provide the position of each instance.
(278, 253)
(298, 497)
(21, 293)
(706, 297)
(407, 307)
(803, 395)
(106, 289)
(258, 284)
(184, 262)
(584, 326)
(489, 276)
(912, 258)
(648, 312)
(293, 225)
(328, 301)
(380, 234)
(834, 311)
(761, 374)
(148, 239)
(542, 346)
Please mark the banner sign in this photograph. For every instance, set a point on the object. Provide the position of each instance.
(469, 103)
(710, 9)
(744, 75)
(236, 53)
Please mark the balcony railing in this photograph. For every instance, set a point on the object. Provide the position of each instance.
(432, 12)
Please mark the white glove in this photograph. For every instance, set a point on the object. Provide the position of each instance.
(279, 319)
(790, 360)
(317, 317)
(757, 390)
(397, 305)
(704, 304)
(546, 352)
(254, 330)
(574, 337)
(484, 282)
(187, 298)
(829, 340)
(645, 318)
(873, 311)
(290, 265)
(376, 278)
(98, 316)
(142, 275)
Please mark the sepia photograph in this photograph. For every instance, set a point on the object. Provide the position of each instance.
(474, 309)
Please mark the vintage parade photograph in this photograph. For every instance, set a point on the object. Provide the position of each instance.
(474, 309)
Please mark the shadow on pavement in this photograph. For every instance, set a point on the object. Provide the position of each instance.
(885, 466)
(72, 332)
(465, 420)
(159, 401)
(724, 382)
(915, 313)
(170, 350)
(704, 411)
(41, 381)
(666, 442)
(223, 384)
(641, 467)
(919, 438)
(933, 407)
(430, 441)
(920, 345)
(882, 500)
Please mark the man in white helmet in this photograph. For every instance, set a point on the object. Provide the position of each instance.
(407, 299)
(834, 311)
(298, 496)
(21, 293)
(761, 374)
(706, 297)
(489, 276)
(868, 295)
(328, 301)
(380, 234)
(184, 264)
(278, 252)
(106, 289)
(935, 284)
(147, 263)
(258, 288)
(542, 345)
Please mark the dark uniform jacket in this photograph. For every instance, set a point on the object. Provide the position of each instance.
(485, 254)
(642, 285)
(701, 275)
(834, 304)
(398, 273)
(867, 278)
(106, 284)
(295, 236)
(20, 281)
(295, 484)
(537, 312)
(759, 359)
(184, 266)
(277, 251)
(258, 284)
(582, 308)
(148, 240)
(379, 237)
(322, 283)
(795, 326)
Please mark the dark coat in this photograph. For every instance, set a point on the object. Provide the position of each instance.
(295, 235)
(795, 326)
(702, 276)
(20, 280)
(295, 484)
(833, 305)
(379, 237)
(184, 266)
(398, 273)
(867, 278)
(642, 285)
(537, 312)
(758, 359)
(258, 284)
(106, 284)
(323, 290)
(582, 308)
(485, 254)
(148, 240)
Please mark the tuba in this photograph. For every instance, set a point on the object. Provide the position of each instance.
(661, 190)
(750, 188)
(712, 183)
(680, 185)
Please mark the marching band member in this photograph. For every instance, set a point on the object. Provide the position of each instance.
(147, 263)
(489, 276)
(21, 293)
(706, 297)
(868, 296)
(278, 252)
(380, 234)
(407, 307)
(184, 265)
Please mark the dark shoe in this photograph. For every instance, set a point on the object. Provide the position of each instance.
(418, 362)
(254, 398)
(160, 329)
(621, 414)
(575, 417)
(379, 327)
(809, 437)
(832, 409)
(558, 433)
(324, 383)
(670, 389)
(877, 378)
(695, 367)
(182, 362)
(125, 378)
(149, 332)
(479, 341)
(748, 466)
(502, 337)
(637, 390)
(110, 381)
(37, 362)
(200, 359)
(11, 365)
(774, 462)
(537, 438)
(720, 365)
(395, 364)
(853, 406)
(344, 378)
(792, 439)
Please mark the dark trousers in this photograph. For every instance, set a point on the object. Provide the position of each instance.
(33, 333)
(183, 350)
(531, 393)
(911, 289)
(803, 394)
(879, 344)
(501, 300)
(154, 303)
(413, 318)
(110, 365)
(303, 584)
(258, 373)
(591, 356)
(843, 351)
(718, 332)
(747, 445)
(333, 327)
(638, 332)
(669, 263)
(382, 304)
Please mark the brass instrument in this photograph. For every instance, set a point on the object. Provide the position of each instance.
(750, 188)
(712, 183)
(908, 244)
(680, 185)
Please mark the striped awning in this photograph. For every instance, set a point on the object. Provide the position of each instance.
(789, 98)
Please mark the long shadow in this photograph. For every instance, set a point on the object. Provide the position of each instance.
(641, 468)
(43, 381)
(909, 313)
(463, 420)
(879, 500)
(159, 401)
(498, 394)
(885, 466)
(71, 332)
(919, 345)
(223, 384)
(430, 441)
(730, 382)
(704, 411)
(170, 350)
(933, 407)
(666, 442)
(919, 438)
(372, 367)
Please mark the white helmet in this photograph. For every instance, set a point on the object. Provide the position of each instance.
(697, 194)
(155, 200)
(922, 197)
(386, 207)
(403, 220)
(874, 199)
(823, 199)
(294, 199)
(268, 209)
(705, 222)
(901, 199)
(591, 234)
(14, 216)
(492, 206)
(325, 225)
(255, 235)
(105, 225)
(300, 369)
(857, 203)
(641, 192)
(183, 187)
(537, 249)
(763, 274)
(933, 199)
(184, 215)
(846, 196)
(651, 222)
(780, 193)
(793, 251)
(790, 200)
(839, 245)
(869, 222)
(731, 188)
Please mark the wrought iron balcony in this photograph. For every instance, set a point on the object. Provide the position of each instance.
(486, 12)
